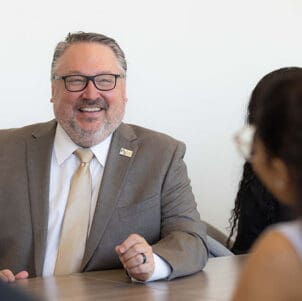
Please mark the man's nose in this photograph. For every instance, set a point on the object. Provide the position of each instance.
(90, 91)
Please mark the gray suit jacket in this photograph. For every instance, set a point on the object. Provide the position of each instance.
(148, 194)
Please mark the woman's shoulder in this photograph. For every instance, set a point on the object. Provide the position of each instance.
(273, 269)
(279, 240)
(292, 232)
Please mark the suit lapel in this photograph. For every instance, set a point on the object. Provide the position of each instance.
(112, 182)
(39, 150)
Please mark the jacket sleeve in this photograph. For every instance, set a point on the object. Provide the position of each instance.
(183, 235)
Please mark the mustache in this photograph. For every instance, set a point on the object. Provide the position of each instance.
(98, 102)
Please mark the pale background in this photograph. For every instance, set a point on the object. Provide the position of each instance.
(192, 66)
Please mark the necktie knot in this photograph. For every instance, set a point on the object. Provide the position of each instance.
(85, 155)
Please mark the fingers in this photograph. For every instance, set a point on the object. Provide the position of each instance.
(8, 275)
(136, 256)
(21, 275)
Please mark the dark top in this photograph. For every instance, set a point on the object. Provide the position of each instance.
(8, 292)
(258, 209)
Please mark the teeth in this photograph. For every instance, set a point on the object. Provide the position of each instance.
(90, 109)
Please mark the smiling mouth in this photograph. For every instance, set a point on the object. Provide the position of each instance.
(90, 109)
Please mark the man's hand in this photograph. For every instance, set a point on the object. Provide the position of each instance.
(132, 253)
(8, 276)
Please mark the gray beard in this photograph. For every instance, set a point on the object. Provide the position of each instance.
(89, 138)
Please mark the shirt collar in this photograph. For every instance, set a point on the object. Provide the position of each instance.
(64, 147)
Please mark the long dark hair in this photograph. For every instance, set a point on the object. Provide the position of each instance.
(257, 100)
(278, 123)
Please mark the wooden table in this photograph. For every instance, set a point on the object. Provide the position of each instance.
(215, 282)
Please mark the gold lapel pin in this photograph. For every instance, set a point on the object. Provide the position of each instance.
(126, 152)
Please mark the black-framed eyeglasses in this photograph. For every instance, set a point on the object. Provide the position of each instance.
(78, 83)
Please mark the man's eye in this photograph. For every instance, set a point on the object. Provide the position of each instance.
(76, 81)
(103, 81)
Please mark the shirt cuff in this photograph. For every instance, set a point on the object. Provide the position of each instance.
(162, 270)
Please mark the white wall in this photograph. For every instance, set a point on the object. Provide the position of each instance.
(192, 66)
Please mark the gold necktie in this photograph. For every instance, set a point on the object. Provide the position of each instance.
(74, 231)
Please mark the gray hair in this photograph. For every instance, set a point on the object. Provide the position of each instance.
(81, 36)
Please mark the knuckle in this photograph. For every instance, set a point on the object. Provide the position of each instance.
(6, 272)
(138, 258)
(136, 248)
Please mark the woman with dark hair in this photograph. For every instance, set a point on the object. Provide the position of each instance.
(273, 145)
(255, 207)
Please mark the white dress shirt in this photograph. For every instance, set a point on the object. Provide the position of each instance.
(63, 165)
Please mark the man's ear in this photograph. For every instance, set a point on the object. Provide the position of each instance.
(52, 93)
(124, 91)
(282, 180)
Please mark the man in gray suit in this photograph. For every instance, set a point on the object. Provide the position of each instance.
(143, 215)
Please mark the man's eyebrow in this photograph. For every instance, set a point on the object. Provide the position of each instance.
(77, 72)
